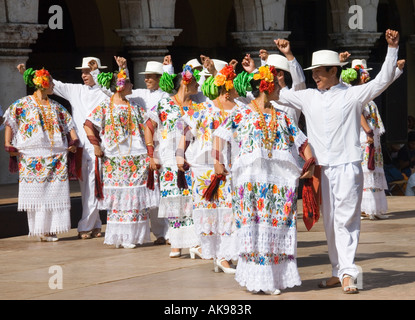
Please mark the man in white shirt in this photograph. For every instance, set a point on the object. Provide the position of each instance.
(333, 112)
(83, 99)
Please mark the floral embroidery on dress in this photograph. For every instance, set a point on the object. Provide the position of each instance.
(117, 128)
(247, 131)
(26, 117)
(264, 203)
(43, 169)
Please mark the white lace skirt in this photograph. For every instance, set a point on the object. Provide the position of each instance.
(176, 206)
(127, 227)
(374, 201)
(266, 217)
(44, 193)
(214, 221)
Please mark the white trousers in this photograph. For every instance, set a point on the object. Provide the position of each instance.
(90, 213)
(342, 188)
(159, 226)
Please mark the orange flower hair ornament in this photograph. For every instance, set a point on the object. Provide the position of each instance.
(121, 79)
(225, 78)
(40, 79)
(266, 74)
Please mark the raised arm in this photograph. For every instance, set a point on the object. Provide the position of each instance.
(297, 73)
(369, 91)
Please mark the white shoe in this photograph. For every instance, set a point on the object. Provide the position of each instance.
(175, 254)
(217, 264)
(49, 238)
(195, 252)
(128, 246)
(381, 216)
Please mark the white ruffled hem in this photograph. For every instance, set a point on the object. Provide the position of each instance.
(374, 202)
(267, 277)
(183, 237)
(127, 233)
(48, 221)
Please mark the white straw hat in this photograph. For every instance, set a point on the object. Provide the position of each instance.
(153, 67)
(360, 62)
(87, 60)
(194, 63)
(279, 62)
(326, 58)
(219, 65)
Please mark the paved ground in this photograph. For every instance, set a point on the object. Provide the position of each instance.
(92, 270)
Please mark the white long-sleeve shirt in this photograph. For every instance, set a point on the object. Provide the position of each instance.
(333, 116)
(83, 100)
(298, 78)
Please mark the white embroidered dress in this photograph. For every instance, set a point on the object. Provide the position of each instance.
(124, 173)
(43, 173)
(264, 199)
(214, 221)
(374, 182)
(175, 203)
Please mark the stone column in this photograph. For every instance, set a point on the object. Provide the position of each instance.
(358, 41)
(258, 23)
(18, 30)
(147, 30)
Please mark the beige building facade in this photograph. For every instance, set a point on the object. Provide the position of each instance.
(56, 34)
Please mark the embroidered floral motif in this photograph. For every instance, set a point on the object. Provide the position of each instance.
(244, 125)
(26, 116)
(129, 216)
(43, 169)
(125, 171)
(118, 131)
(262, 203)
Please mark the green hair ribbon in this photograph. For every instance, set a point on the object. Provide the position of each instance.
(242, 83)
(104, 79)
(28, 76)
(209, 88)
(349, 75)
(166, 82)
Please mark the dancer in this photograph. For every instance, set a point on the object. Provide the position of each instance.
(115, 129)
(333, 113)
(83, 99)
(374, 203)
(148, 98)
(165, 125)
(40, 132)
(214, 220)
(265, 173)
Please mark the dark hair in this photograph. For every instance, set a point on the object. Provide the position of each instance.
(255, 87)
(177, 81)
(339, 70)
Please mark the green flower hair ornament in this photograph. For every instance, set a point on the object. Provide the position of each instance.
(166, 82)
(104, 79)
(242, 83)
(349, 75)
(28, 76)
(196, 74)
(209, 89)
